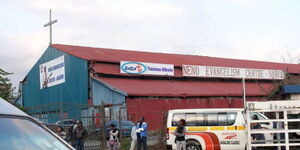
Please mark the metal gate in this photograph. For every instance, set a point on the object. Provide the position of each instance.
(286, 128)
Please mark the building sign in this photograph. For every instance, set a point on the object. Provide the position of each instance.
(52, 72)
(274, 105)
(131, 67)
(228, 72)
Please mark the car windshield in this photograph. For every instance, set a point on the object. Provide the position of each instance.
(127, 123)
(22, 134)
(68, 122)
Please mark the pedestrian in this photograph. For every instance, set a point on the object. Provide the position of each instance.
(258, 138)
(113, 140)
(141, 132)
(180, 135)
(61, 133)
(133, 137)
(80, 135)
(70, 135)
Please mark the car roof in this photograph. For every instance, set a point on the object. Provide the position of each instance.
(8, 109)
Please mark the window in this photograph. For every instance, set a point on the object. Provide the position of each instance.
(222, 119)
(200, 120)
(176, 118)
(206, 119)
(231, 118)
(190, 119)
(211, 119)
(17, 133)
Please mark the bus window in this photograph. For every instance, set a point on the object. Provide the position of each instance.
(211, 119)
(190, 119)
(200, 120)
(176, 118)
(222, 119)
(231, 118)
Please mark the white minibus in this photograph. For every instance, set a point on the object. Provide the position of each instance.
(212, 129)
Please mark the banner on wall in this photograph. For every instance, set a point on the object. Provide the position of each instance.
(52, 72)
(229, 72)
(131, 67)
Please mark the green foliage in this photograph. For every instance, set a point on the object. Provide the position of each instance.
(6, 89)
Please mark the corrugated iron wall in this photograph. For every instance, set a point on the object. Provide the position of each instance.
(102, 92)
(155, 109)
(73, 90)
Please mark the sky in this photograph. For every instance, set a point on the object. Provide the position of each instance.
(264, 30)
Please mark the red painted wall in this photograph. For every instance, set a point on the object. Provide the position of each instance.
(155, 110)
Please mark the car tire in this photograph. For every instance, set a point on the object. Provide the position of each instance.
(192, 146)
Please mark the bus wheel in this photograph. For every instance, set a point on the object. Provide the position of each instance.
(192, 146)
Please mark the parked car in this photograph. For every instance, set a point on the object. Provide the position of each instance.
(20, 131)
(126, 127)
(66, 122)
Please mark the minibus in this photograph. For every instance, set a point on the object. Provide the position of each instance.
(212, 129)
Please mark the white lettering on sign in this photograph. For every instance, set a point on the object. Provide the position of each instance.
(228, 72)
(131, 67)
(274, 105)
(52, 72)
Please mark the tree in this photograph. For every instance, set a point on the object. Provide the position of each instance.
(6, 88)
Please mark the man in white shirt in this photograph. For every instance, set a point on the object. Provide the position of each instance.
(133, 137)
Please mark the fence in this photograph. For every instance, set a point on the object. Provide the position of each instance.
(95, 119)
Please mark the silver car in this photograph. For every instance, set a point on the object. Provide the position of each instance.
(19, 131)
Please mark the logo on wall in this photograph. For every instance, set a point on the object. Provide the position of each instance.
(52, 72)
(131, 67)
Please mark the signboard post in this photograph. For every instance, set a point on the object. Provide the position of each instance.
(52, 72)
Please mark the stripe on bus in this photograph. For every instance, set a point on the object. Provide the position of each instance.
(210, 139)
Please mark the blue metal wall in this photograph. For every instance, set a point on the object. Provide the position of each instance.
(73, 90)
(102, 92)
(290, 89)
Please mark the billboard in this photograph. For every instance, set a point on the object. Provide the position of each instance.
(229, 72)
(132, 67)
(52, 72)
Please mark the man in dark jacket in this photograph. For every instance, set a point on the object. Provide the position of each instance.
(80, 135)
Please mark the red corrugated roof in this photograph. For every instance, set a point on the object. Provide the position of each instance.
(115, 56)
(139, 87)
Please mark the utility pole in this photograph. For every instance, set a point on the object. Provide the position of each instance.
(50, 25)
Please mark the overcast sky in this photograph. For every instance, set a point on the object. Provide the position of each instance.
(265, 30)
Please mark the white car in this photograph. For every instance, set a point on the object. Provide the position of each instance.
(19, 131)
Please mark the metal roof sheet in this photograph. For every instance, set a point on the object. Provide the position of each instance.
(115, 56)
(173, 88)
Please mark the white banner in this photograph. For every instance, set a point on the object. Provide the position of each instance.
(228, 72)
(274, 105)
(52, 72)
(131, 67)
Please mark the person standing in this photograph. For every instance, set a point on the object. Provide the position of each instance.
(258, 138)
(80, 135)
(141, 132)
(113, 137)
(133, 137)
(61, 133)
(180, 135)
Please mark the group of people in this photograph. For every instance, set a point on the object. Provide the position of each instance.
(138, 135)
(75, 135)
